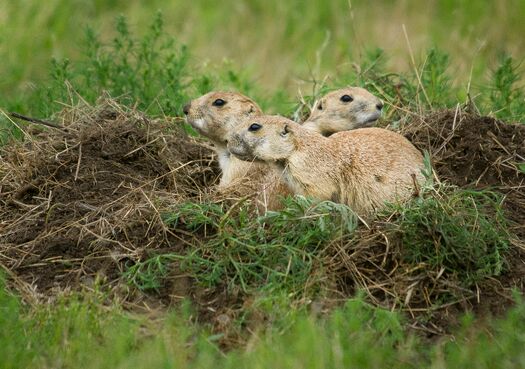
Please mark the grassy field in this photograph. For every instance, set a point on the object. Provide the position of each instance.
(283, 271)
(83, 332)
(257, 35)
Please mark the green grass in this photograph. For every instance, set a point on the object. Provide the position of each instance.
(275, 252)
(506, 97)
(84, 332)
(460, 234)
(157, 73)
(279, 42)
(462, 231)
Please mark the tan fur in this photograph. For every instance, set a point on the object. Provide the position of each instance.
(217, 123)
(331, 115)
(243, 177)
(362, 168)
(239, 178)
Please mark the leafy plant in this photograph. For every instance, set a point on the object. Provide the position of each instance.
(462, 231)
(506, 96)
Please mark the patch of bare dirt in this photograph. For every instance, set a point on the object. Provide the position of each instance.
(478, 152)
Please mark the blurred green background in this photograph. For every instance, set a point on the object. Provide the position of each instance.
(281, 44)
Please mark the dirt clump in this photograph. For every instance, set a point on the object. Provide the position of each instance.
(85, 202)
(478, 152)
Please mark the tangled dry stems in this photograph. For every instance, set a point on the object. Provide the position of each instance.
(84, 201)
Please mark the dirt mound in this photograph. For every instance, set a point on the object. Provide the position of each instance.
(479, 152)
(83, 202)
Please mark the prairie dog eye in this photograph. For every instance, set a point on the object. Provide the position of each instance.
(254, 127)
(320, 106)
(347, 98)
(219, 102)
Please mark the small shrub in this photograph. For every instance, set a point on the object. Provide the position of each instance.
(435, 81)
(152, 71)
(506, 97)
(463, 231)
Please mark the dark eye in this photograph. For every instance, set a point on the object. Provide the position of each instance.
(254, 127)
(320, 106)
(347, 98)
(219, 102)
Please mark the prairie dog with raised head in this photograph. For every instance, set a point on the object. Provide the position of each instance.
(216, 115)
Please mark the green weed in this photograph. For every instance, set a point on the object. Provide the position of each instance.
(506, 95)
(278, 250)
(435, 83)
(463, 231)
(151, 72)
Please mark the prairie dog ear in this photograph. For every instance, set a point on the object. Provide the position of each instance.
(251, 110)
(285, 131)
(320, 105)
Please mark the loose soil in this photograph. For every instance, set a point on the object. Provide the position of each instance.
(476, 152)
(83, 203)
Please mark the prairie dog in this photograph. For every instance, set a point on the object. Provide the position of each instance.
(217, 114)
(343, 110)
(362, 168)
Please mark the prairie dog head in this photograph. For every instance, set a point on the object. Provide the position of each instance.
(343, 110)
(216, 114)
(264, 138)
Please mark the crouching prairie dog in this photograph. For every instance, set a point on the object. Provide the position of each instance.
(217, 114)
(361, 168)
(344, 110)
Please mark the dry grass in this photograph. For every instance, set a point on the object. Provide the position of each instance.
(82, 202)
